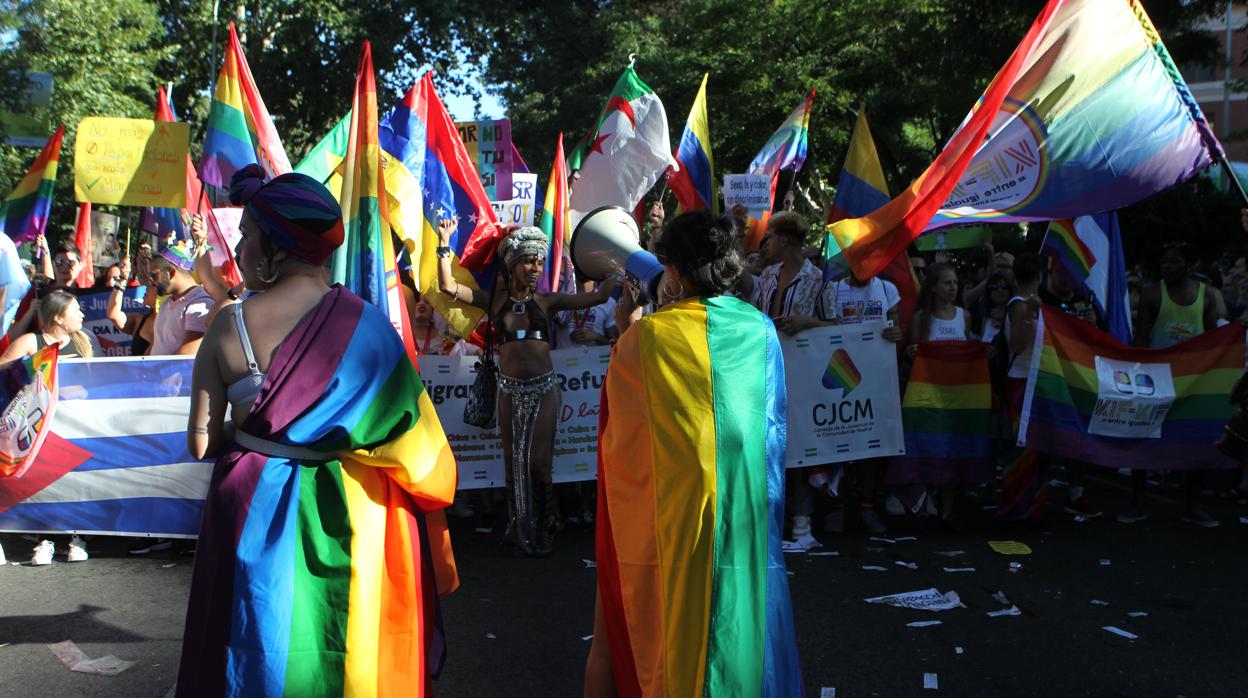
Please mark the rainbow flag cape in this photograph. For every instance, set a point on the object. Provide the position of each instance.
(947, 414)
(240, 131)
(1089, 114)
(1068, 251)
(28, 391)
(1092, 398)
(25, 210)
(555, 224)
(691, 506)
(318, 573)
(693, 182)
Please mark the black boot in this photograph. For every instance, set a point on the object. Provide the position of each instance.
(546, 519)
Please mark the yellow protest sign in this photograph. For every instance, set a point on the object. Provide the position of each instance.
(131, 162)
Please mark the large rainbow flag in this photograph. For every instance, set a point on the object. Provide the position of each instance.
(691, 506)
(1091, 398)
(1089, 114)
(239, 131)
(1068, 251)
(785, 150)
(556, 225)
(25, 210)
(947, 414)
(693, 183)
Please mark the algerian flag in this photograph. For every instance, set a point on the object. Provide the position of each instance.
(626, 154)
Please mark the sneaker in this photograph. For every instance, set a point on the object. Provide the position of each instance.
(43, 553)
(1083, 507)
(1201, 518)
(893, 506)
(871, 522)
(77, 550)
(801, 526)
(834, 521)
(1131, 516)
(807, 542)
(153, 546)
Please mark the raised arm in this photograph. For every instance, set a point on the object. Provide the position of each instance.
(577, 301)
(446, 276)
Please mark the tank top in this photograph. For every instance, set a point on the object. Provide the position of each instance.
(1020, 363)
(68, 351)
(1175, 322)
(243, 392)
(947, 330)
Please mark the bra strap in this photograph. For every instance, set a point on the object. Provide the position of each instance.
(252, 367)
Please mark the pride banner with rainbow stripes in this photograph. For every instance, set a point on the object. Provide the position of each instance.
(1093, 399)
(25, 211)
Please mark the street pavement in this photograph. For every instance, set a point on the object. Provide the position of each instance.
(517, 627)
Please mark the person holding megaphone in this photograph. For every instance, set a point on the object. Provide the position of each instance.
(529, 399)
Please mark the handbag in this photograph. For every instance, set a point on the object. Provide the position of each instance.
(481, 408)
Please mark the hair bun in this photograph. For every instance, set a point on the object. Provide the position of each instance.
(245, 183)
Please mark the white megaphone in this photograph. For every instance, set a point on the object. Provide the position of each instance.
(606, 243)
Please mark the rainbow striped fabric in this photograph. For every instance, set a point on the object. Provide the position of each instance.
(693, 183)
(239, 131)
(319, 576)
(29, 400)
(691, 506)
(1068, 251)
(556, 225)
(25, 210)
(1089, 114)
(841, 373)
(1067, 392)
(786, 149)
(947, 414)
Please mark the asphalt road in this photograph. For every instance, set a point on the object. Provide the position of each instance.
(517, 626)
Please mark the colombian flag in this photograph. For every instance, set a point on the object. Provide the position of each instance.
(693, 183)
(25, 211)
(239, 130)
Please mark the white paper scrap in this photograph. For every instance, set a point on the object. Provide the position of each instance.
(923, 623)
(911, 565)
(1120, 632)
(959, 569)
(875, 568)
(1098, 602)
(586, 638)
(491, 636)
(1011, 611)
(75, 659)
(1137, 614)
(901, 539)
(589, 563)
(827, 692)
(877, 539)
(950, 553)
(929, 681)
(922, 600)
(1000, 597)
(1106, 563)
(957, 650)
(825, 553)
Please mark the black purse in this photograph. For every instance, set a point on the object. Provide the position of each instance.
(481, 408)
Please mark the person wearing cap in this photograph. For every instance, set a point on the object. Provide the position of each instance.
(529, 399)
(183, 317)
(323, 517)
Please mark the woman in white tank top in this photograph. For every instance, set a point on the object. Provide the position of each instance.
(938, 317)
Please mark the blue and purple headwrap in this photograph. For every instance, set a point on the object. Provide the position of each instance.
(294, 210)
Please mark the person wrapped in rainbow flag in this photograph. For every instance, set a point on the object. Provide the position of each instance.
(693, 596)
(322, 548)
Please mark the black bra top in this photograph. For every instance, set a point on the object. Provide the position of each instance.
(537, 323)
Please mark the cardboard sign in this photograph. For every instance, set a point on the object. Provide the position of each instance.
(489, 146)
(131, 162)
(522, 208)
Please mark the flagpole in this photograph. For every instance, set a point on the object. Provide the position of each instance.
(1230, 175)
(212, 65)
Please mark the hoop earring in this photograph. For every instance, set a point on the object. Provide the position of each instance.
(272, 278)
(672, 296)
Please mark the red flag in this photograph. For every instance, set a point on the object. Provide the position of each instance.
(82, 240)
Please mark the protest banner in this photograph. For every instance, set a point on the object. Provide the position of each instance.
(954, 239)
(853, 410)
(131, 162)
(521, 208)
(1092, 398)
(25, 129)
(489, 147)
(105, 247)
(115, 460)
(580, 373)
(113, 342)
(753, 191)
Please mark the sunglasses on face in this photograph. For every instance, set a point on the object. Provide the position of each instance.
(65, 262)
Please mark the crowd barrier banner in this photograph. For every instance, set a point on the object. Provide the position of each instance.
(116, 459)
(579, 372)
(844, 400)
(1091, 398)
(113, 342)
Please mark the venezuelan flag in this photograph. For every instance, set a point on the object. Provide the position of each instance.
(1068, 251)
(239, 131)
(693, 183)
(691, 506)
(25, 211)
(1068, 390)
(1088, 114)
(555, 224)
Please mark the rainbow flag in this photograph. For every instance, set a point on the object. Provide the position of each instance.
(786, 149)
(841, 373)
(1089, 114)
(1092, 398)
(25, 211)
(693, 182)
(1068, 251)
(947, 415)
(28, 392)
(691, 506)
(555, 224)
(239, 131)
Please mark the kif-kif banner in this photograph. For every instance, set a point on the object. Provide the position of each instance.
(1091, 398)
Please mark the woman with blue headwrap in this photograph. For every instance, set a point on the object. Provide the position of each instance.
(528, 403)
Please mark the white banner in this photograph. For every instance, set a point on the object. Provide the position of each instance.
(579, 373)
(1132, 399)
(852, 410)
